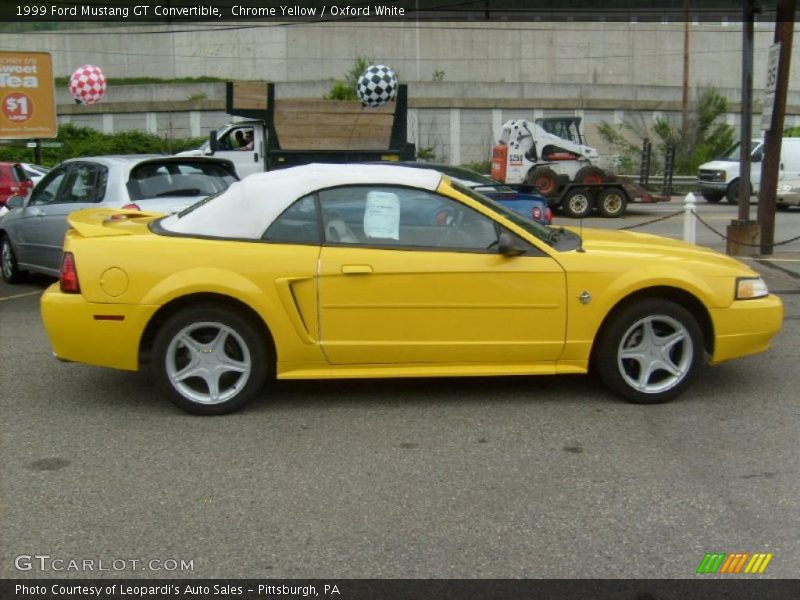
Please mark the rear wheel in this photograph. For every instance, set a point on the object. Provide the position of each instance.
(544, 179)
(650, 351)
(211, 360)
(8, 263)
(611, 203)
(577, 204)
(590, 175)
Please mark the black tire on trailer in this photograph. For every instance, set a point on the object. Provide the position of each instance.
(590, 175)
(577, 203)
(649, 351)
(713, 197)
(544, 179)
(611, 203)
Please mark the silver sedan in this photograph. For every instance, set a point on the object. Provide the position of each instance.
(32, 232)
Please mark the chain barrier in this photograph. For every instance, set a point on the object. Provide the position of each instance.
(651, 221)
(705, 224)
(725, 237)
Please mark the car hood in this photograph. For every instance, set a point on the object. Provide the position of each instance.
(627, 248)
(717, 165)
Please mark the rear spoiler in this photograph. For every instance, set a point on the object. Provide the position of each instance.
(99, 222)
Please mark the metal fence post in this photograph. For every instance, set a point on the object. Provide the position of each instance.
(689, 223)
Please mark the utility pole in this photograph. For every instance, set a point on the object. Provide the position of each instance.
(743, 233)
(685, 97)
(784, 30)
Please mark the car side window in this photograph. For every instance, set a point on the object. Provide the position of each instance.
(47, 190)
(298, 224)
(85, 183)
(394, 216)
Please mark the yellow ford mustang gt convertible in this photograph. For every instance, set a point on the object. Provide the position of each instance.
(343, 271)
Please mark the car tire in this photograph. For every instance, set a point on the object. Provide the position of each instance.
(544, 179)
(590, 175)
(611, 203)
(660, 332)
(577, 204)
(232, 359)
(732, 193)
(713, 197)
(8, 262)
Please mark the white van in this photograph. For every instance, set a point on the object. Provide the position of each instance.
(720, 178)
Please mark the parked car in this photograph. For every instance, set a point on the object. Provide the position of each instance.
(521, 200)
(14, 181)
(788, 194)
(270, 279)
(32, 233)
(35, 172)
(719, 178)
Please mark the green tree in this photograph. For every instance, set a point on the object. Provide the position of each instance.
(346, 90)
(703, 138)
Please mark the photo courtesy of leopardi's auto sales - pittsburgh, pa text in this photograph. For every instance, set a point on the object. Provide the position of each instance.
(204, 11)
(182, 590)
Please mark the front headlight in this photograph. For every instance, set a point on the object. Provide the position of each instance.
(748, 288)
(784, 187)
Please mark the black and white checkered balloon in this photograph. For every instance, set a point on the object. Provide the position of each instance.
(376, 86)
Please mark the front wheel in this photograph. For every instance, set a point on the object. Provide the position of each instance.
(712, 197)
(590, 175)
(732, 193)
(649, 351)
(8, 263)
(210, 359)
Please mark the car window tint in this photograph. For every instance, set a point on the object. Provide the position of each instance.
(298, 224)
(159, 180)
(47, 190)
(86, 183)
(387, 216)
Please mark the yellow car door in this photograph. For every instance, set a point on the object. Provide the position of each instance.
(410, 277)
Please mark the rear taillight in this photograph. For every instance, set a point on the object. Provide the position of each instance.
(69, 275)
(131, 206)
(536, 213)
(548, 215)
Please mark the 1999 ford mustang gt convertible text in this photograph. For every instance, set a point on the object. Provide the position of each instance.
(336, 271)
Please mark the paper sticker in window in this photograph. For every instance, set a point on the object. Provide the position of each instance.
(382, 216)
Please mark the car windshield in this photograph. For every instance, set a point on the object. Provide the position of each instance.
(165, 179)
(540, 231)
(734, 154)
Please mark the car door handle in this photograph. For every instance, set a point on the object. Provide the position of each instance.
(356, 269)
(255, 157)
(35, 212)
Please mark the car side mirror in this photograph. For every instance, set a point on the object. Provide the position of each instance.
(507, 245)
(15, 202)
(213, 143)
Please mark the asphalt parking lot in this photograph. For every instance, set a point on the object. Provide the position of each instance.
(509, 477)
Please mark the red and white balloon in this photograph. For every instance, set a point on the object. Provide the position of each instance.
(87, 84)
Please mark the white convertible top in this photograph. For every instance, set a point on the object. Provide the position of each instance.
(248, 207)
